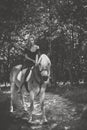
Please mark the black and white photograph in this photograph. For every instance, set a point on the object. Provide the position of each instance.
(43, 64)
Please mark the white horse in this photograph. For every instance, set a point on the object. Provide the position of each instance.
(36, 83)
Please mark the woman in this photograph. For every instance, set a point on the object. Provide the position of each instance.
(33, 53)
(31, 58)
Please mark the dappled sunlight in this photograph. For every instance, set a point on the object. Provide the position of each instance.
(60, 113)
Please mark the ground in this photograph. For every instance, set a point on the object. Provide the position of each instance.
(64, 112)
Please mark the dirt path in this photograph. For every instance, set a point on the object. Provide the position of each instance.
(60, 112)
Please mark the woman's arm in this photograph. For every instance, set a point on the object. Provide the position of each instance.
(36, 58)
(28, 58)
(37, 54)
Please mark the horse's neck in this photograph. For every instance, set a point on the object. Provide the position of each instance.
(36, 71)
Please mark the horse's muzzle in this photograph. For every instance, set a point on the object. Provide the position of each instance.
(45, 78)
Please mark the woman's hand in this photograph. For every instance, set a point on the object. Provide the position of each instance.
(36, 59)
(26, 56)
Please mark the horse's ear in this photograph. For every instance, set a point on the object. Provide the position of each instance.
(49, 64)
(48, 54)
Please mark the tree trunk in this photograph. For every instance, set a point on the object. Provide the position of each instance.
(70, 75)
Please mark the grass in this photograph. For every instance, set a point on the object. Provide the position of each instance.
(77, 94)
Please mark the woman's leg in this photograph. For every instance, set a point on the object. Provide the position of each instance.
(28, 77)
(24, 80)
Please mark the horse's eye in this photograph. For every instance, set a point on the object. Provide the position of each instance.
(39, 64)
(48, 64)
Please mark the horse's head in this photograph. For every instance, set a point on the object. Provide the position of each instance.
(44, 65)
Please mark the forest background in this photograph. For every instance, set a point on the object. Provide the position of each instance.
(59, 28)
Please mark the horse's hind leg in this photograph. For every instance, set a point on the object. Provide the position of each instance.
(22, 99)
(42, 97)
(12, 96)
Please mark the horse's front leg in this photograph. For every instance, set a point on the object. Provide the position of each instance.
(42, 97)
(22, 99)
(31, 105)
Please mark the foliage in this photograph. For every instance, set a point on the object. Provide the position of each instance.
(58, 26)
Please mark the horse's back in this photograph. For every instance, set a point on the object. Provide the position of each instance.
(18, 66)
(15, 70)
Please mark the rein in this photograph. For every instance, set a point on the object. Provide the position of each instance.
(36, 77)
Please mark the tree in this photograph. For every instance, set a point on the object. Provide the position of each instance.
(58, 26)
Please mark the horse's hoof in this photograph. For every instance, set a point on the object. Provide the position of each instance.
(44, 121)
(30, 120)
(35, 122)
(19, 92)
(11, 109)
(25, 109)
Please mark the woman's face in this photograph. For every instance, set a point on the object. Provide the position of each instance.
(32, 41)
